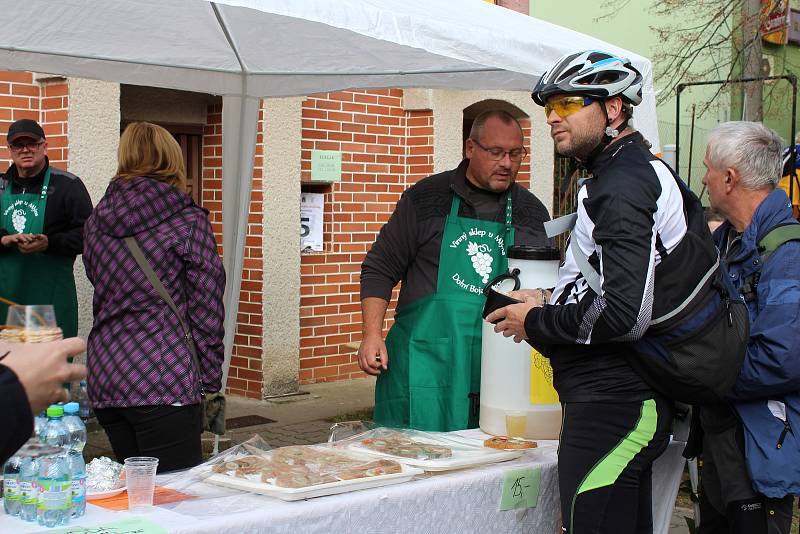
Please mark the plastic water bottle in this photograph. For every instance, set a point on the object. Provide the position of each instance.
(77, 465)
(75, 426)
(55, 488)
(55, 432)
(38, 425)
(28, 487)
(11, 470)
(82, 398)
(77, 473)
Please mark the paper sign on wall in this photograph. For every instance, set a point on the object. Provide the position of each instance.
(520, 488)
(326, 166)
(312, 210)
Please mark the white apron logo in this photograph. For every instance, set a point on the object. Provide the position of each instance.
(481, 260)
(19, 215)
(19, 220)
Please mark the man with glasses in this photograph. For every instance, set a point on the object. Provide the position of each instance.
(632, 216)
(446, 239)
(42, 211)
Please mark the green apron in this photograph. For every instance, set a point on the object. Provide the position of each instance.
(434, 347)
(37, 278)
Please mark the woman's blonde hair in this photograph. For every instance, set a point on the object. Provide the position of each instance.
(146, 149)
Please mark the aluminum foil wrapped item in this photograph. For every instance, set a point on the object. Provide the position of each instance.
(102, 474)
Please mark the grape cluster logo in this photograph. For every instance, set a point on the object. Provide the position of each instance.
(18, 219)
(481, 260)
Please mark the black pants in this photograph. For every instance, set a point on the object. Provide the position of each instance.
(605, 463)
(728, 502)
(169, 433)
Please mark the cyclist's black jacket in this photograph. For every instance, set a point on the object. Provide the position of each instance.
(630, 217)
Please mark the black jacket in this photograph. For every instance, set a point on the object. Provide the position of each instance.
(407, 247)
(16, 418)
(630, 220)
(68, 207)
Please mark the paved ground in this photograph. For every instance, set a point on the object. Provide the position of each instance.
(303, 419)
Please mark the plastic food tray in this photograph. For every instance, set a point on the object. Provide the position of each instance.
(319, 490)
(461, 458)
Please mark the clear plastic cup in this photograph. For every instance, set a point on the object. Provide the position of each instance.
(516, 423)
(140, 478)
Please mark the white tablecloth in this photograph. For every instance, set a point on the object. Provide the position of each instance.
(459, 502)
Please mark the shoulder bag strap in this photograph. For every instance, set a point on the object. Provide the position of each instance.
(563, 225)
(155, 281)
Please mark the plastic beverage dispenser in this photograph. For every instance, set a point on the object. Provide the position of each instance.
(516, 381)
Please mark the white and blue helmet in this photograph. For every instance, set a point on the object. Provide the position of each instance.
(592, 73)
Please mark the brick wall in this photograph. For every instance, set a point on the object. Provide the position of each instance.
(19, 99)
(370, 129)
(46, 102)
(245, 372)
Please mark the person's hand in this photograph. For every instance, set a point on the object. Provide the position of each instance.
(538, 296)
(372, 355)
(13, 240)
(38, 243)
(42, 369)
(511, 319)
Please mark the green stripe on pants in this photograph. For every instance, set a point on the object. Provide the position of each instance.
(608, 469)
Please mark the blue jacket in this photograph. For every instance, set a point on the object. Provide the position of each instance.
(769, 383)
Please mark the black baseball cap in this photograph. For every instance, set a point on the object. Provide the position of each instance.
(25, 128)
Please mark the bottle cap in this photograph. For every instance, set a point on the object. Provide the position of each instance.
(55, 411)
(72, 408)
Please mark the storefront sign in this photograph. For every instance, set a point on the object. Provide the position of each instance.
(312, 210)
(775, 21)
(326, 166)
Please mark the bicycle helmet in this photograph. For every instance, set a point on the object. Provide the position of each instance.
(591, 73)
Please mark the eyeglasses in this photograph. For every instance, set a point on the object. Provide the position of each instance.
(30, 145)
(564, 106)
(496, 154)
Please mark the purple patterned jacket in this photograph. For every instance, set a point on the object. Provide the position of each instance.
(136, 354)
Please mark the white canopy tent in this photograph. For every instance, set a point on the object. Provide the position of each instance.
(248, 49)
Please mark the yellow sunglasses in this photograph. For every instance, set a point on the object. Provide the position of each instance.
(564, 106)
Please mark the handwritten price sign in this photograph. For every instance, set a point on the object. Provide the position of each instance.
(520, 488)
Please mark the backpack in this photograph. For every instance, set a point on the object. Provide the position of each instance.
(694, 346)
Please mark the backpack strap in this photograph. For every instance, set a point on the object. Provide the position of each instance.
(563, 225)
(777, 237)
(768, 244)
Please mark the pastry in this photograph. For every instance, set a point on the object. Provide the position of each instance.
(503, 442)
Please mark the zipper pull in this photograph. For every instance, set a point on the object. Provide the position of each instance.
(728, 309)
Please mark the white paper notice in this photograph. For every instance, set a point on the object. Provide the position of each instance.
(312, 209)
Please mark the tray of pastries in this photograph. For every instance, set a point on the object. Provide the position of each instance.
(306, 471)
(427, 451)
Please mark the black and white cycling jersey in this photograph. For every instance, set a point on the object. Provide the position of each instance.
(630, 218)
